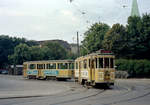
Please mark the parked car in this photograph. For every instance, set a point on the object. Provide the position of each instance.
(4, 72)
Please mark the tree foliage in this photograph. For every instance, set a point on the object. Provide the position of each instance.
(93, 37)
(116, 40)
(21, 54)
(130, 41)
(48, 51)
(7, 45)
(53, 50)
(36, 53)
(135, 68)
(138, 30)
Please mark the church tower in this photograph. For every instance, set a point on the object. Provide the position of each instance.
(135, 9)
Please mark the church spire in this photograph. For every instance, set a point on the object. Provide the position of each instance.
(135, 9)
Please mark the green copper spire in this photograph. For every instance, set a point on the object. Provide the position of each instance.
(135, 9)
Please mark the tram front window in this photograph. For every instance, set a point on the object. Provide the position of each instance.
(111, 63)
(85, 64)
(100, 62)
(76, 65)
(106, 62)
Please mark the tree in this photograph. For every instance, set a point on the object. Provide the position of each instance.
(138, 29)
(116, 40)
(94, 36)
(54, 51)
(21, 54)
(31, 43)
(134, 35)
(36, 53)
(145, 36)
(7, 45)
(6, 48)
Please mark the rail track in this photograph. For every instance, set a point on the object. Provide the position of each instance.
(78, 98)
(124, 92)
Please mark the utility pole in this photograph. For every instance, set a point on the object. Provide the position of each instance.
(78, 43)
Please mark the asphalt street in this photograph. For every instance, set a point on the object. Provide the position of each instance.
(15, 90)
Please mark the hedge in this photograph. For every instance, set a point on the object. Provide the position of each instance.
(135, 68)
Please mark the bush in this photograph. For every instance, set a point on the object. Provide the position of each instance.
(121, 74)
(135, 68)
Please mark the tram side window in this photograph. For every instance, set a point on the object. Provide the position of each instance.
(32, 66)
(85, 64)
(89, 63)
(40, 66)
(62, 66)
(106, 62)
(111, 63)
(25, 66)
(76, 65)
(51, 66)
(100, 62)
(80, 64)
(96, 62)
(71, 65)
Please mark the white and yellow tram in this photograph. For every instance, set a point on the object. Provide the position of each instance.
(96, 68)
(55, 69)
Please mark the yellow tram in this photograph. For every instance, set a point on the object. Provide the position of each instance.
(96, 68)
(53, 69)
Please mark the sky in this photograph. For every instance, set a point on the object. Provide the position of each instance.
(60, 19)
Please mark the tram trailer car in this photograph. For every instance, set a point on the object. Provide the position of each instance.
(95, 69)
(50, 69)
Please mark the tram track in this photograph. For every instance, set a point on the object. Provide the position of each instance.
(131, 89)
(124, 92)
(61, 94)
(128, 100)
(79, 95)
(78, 99)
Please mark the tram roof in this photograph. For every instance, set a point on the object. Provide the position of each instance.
(49, 61)
(97, 54)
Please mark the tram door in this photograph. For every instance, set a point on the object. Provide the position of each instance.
(79, 79)
(92, 70)
(25, 70)
(40, 68)
(39, 73)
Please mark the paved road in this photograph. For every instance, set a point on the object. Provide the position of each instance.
(125, 92)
